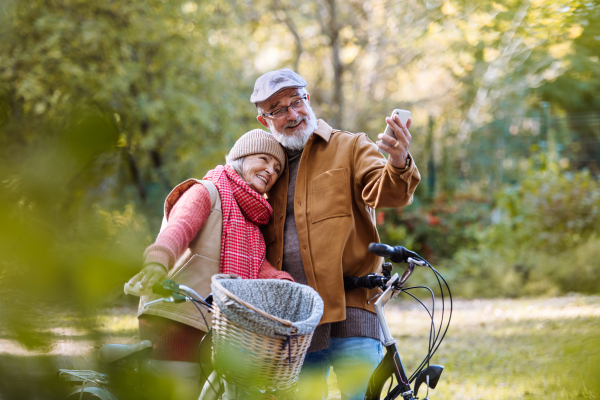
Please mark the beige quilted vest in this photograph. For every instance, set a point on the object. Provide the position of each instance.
(197, 264)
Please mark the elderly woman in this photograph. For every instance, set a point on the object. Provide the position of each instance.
(253, 165)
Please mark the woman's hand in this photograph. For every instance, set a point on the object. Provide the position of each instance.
(149, 275)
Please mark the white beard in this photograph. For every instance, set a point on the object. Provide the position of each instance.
(296, 138)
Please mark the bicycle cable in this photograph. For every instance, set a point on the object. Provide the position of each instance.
(194, 301)
(202, 369)
(435, 339)
(431, 315)
(438, 276)
(450, 297)
(432, 330)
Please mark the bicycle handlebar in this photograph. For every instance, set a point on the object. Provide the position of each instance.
(165, 288)
(396, 254)
(170, 292)
(370, 281)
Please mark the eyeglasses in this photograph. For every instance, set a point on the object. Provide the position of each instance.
(280, 112)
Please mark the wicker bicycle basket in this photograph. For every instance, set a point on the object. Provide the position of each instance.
(262, 329)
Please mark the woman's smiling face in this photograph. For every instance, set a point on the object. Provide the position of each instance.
(260, 171)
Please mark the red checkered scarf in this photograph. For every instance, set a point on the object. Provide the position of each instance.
(242, 246)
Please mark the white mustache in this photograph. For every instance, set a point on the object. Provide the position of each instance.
(296, 122)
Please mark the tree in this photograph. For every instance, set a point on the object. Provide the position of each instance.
(157, 66)
(104, 106)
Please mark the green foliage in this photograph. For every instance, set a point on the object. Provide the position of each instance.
(545, 242)
(551, 211)
(436, 230)
(149, 64)
(576, 89)
(61, 254)
(104, 107)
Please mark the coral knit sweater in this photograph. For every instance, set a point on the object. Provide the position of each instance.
(172, 340)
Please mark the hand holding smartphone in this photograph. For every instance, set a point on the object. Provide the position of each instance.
(403, 115)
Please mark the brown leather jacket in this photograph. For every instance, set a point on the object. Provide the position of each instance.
(341, 178)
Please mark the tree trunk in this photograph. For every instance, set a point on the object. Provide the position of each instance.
(338, 69)
(293, 30)
(135, 177)
(157, 163)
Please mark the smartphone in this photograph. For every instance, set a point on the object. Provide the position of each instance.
(403, 115)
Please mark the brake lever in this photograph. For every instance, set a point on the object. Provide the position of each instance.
(374, 297)
(148, 304)
(192, 293)
(420, 262)
(400, 283)
(175, 298)
(391, 284)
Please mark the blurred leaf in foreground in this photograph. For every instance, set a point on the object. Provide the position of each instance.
(59, 252)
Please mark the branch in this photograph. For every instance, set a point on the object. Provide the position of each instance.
(507, 47)
(135, 176)
(158, 163)
(319, 18)
(292, 27)
(338, 68)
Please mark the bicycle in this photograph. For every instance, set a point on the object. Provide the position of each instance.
(125, 380)
(389, 373)
(122, 377)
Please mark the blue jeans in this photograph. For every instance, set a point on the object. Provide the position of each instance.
(353, 359)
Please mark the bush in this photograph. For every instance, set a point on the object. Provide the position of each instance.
(436, 230)
(546, 241)
(551, 211)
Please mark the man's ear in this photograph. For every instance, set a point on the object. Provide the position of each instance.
(262, 120)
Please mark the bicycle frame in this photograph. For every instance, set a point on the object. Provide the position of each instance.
(391, 364)
(391, 361)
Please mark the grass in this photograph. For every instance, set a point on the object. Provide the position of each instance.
(495, 349)
(507, 349)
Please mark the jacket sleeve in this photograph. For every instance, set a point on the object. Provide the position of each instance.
(381, 184)
(267, 271)
(185, 219)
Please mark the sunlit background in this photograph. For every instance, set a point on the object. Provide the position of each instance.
(107, 105)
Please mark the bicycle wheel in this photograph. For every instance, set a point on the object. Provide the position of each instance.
(385, 383)
(384, 388)
(213, 388)
(91, 393)
(84, 396)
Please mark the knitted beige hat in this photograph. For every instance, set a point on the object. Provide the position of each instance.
(254, 142)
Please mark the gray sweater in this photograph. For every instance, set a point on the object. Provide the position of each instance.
(358, 322)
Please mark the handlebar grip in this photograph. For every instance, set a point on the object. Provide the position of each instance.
(165, 288)
(370, 281)
(396, 254)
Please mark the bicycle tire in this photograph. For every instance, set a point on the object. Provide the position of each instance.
(84, 396)
(212, 388)
(91, 393)
(385, 383)
(385, 388)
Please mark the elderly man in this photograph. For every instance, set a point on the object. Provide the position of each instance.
(323, 222)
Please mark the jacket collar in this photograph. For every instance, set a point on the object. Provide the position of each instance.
(324, 130)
